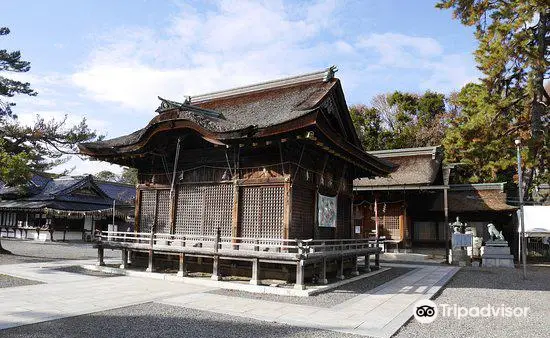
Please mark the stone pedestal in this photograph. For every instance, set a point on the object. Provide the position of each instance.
(460, 257)
(497, 254)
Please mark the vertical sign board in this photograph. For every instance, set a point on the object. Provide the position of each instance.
(326, 208)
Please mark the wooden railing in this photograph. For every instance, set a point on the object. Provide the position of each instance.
(296, 248)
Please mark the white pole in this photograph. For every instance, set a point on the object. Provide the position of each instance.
(114, 205)
(521, 219)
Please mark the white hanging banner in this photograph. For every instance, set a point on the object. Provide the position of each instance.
(326, 207)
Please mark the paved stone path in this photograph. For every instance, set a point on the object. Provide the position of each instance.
(379, 312)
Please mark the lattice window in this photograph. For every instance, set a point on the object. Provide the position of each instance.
(218, 201)
(190, 210)
(261, 211)
(147, 210)
(163, 212)
(201, 209)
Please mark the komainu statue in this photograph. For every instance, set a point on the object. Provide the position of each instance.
(494, 233)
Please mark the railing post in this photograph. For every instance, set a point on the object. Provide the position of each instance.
(367, 263)
(340, 274)
(215, 265)
(150, 267)
(255, 272)
(355, 271)
(100, 261)
(124, 264)
(217, 241)
(300, 275)
(183, 267)
(323, 279)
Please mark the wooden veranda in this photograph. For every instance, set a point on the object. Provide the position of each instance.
(296, 252)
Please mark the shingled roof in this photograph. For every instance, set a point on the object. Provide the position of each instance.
(240, 109)
(414, 167)
(257, 111)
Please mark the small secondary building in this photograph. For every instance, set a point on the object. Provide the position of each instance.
(409, 204)
(63, 208)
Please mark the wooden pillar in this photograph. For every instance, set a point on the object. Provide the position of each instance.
(355, 271)
(124, 264)
(137, 211)
(287, 208)
(300, 275)
(235, 216)
(150, 267)
(183, 266)
(340, 274)
(323, 279)
(173, 210)
(255, 272)
(100, 253)
(367, 263)
(215, 263)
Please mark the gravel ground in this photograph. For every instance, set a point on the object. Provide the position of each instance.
(329, 298)
(29, 251)
(10, 281)
(157, 320)
(479, 287)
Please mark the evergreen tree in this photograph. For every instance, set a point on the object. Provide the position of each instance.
(511, 102)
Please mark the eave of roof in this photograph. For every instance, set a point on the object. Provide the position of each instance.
(404, 152)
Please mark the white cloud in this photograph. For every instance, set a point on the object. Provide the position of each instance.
(425, 56)
(237, 43)
(399, 50)
(451, 73)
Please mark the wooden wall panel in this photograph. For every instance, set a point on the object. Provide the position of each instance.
(303, 212)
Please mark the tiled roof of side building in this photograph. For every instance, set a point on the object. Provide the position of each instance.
(121, 192)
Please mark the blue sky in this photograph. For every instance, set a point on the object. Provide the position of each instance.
(109, 60)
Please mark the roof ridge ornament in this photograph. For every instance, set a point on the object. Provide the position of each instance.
(166, 105)
(329, 73)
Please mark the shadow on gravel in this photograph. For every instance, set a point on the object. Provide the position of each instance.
(502, 279)
(157, 320)
(81, 271)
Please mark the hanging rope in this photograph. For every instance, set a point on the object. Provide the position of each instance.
(299, 162)
(227, 160)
